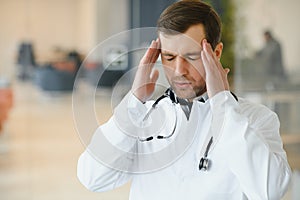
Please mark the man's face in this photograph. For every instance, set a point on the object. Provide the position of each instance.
(181, 58)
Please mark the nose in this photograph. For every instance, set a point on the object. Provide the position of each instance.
(181, 66)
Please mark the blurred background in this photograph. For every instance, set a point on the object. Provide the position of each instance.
(44, 44)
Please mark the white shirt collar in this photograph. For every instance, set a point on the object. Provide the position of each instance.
(203, 96)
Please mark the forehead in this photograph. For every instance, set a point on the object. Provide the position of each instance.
(183, 42)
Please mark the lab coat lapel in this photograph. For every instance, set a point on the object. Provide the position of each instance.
(192, 131)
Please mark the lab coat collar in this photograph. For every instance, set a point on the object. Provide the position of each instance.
(202, 98)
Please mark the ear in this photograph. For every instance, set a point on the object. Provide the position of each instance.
(218, 50)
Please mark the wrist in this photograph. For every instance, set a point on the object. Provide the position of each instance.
(139, 97)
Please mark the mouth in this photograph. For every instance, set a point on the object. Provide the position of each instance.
(182, 84)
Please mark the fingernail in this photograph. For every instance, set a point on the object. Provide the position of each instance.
(152, 45)
(204, 44)
(158, 43)
(155, 44)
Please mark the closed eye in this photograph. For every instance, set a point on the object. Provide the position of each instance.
(168, 57)
(193, 57)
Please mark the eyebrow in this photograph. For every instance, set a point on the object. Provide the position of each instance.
(193, 53)
(166, 53)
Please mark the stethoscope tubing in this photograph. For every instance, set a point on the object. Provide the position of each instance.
(204, 161)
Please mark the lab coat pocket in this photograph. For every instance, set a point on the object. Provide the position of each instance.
(220, 176)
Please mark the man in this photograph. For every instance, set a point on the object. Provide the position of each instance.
(221, 146)
(270, 57)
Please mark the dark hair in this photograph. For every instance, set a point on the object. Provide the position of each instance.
(181, 15)
(268, 33)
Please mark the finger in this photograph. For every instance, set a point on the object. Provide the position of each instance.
(158, 43)
(156, 51)
(205, 60)
(227, 70)
(148, 54)
(151, 54)
(207, 55)
(207, 48)
(213, 60)
(211, 66)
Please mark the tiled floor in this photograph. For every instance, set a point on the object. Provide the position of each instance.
(42, 151)
(40, 148)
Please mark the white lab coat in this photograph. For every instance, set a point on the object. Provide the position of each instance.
(247, 156)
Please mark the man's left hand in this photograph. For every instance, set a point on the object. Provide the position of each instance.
(216, 75)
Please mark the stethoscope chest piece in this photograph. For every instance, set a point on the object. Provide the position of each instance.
(204, 164)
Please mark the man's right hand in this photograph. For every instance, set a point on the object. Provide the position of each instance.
(145, 79)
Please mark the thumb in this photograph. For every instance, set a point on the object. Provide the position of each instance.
(227, 70)
(154, 76)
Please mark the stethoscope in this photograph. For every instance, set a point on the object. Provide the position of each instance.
(204, 161)
(168, 93)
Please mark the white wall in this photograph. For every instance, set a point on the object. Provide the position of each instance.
(46, 23)
(112, 18)
(86, 25)
(82, 24)
(68, 24)
(282, 17)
